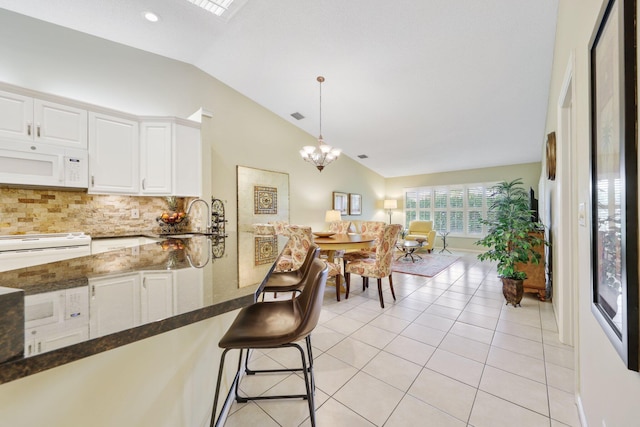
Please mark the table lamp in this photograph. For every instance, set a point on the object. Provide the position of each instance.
(390, 205)
(332, 216)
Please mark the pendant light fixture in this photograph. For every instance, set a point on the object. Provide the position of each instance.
(323, 154)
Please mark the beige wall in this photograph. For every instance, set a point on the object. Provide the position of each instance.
(529, 172)
(607, 393)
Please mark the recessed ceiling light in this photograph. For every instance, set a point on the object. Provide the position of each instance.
(363, 156)
(150, 16)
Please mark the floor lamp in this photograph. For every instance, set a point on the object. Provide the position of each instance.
(390, 205)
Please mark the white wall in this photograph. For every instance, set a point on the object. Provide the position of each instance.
(607, 391)
(59, 61)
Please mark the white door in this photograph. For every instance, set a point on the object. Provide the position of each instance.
(114, 304)
(187, 162)
(155, 158)
(60, 124)
(16, 116)
(113, 154)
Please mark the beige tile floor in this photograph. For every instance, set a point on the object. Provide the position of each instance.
(447, 353)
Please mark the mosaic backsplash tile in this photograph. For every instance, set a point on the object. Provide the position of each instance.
(24, 211)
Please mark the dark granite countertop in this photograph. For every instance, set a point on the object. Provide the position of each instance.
(87, 305)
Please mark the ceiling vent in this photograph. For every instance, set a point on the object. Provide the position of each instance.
(223, 9)
(297, 116)
(363, 156)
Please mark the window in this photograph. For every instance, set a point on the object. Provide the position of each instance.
(457, 209)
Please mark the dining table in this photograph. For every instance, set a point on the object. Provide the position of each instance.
(338, 242)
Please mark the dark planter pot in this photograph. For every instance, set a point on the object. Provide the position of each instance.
(512, 290)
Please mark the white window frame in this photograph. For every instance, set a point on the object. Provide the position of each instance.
(415, 212)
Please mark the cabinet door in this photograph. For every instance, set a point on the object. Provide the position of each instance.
(187, 161)
(114, 304)
(155, 158)
(16, 116)
(157, 296)
(113, 154)
(60, 124)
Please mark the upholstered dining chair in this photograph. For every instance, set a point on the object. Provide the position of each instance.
(336, 271)
(338, 227)
(291, 281)
(295, 251)
(277, 324)
(377, 267)
(367, 228)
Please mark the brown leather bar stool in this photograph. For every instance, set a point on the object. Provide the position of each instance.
(291, 281)
(277, 324)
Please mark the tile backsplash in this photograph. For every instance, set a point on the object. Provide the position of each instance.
(25, 211)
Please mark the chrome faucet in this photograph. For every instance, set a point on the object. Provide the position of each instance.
(208, 230)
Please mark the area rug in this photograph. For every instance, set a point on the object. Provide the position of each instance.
(429, 265)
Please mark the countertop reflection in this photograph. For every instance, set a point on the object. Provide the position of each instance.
(83, 306)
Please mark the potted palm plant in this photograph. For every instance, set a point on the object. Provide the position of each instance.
(511, 237)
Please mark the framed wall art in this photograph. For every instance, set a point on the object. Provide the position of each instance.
(355, 204)
(341, 202)
(614, 200)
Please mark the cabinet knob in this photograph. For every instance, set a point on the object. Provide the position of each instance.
(29, 129)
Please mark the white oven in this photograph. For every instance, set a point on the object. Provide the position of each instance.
(26, 250)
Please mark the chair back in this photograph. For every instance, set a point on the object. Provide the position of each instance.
(339, 227)
(375, 228)
(418, 226)
(384, 250)
(310, 299)
(300, 240)
(312, 253)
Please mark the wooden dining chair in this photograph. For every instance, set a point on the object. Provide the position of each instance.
(377, 267)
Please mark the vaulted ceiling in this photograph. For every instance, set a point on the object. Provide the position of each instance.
(419, 86)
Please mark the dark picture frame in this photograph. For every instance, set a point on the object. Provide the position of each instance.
(355, 204)
(614, 167)
(341, 202)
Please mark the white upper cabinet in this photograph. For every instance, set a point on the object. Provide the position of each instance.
(170, 158)
(187, 161)
(113, 154)
(155, 157)
(36, 120)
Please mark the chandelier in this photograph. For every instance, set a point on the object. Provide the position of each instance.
(323, 154)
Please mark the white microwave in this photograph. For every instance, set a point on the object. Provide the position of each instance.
(43, 165)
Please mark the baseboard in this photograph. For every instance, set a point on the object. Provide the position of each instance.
(581, 414)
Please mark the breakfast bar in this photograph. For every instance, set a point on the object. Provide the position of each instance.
(88, 305)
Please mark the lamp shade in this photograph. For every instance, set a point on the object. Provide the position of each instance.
(331, 216)
(390, 204)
